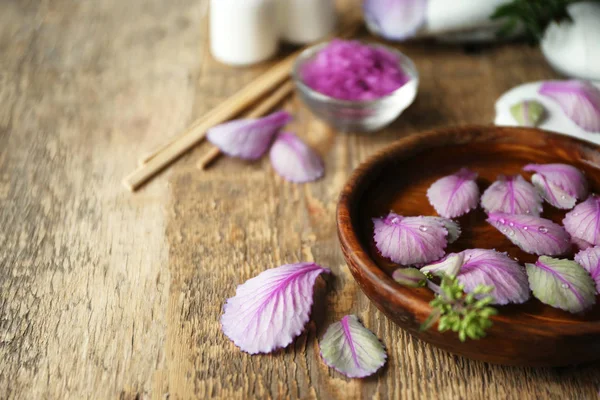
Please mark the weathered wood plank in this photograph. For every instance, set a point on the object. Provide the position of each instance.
(107, 295)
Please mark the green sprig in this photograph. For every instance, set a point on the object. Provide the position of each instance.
(533, 16)
(467, 314)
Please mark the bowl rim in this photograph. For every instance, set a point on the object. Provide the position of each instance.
(406, 298)
(405, 61)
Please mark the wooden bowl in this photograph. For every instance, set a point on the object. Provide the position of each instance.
(397, 178)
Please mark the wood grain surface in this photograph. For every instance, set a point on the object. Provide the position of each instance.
(107, 295)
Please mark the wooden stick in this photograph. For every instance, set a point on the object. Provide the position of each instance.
(263, 108)
(150, 155)
(229, 108)
(226, 110)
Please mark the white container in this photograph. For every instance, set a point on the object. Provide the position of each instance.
(306, 21)
(243, 32)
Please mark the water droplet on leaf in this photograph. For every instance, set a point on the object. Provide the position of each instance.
(543, 229)
(423, 228)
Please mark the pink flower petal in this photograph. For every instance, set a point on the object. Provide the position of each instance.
(449, 265)
(583, 222)
(590, 260)
(559, 184)
(454, 195)
(533, 235)
(451, 226)
(271, 309)
(294, 160)
(352, 349)
(410, 240)
(580, 101)
(581, 244)
(395, 19)
(489, 268)
(248, 139)
(512, 195)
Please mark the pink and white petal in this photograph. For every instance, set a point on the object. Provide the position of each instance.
(395, 19)
(352, 349)
(580, 101)
(559, 184)
(553, 194)
(581, 244)
(449, 265)
(454, 195)
(451, 226)
(248, 139)
(512, 195)
(562, 284)
(492, 268)
(271, 309)
(583, 222)
(294, 160)
(533, 235)
(589, 259)
(410, 240)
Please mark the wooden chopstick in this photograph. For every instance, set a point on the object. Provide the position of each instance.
(226, 110)
(263, 108)
(150, 155)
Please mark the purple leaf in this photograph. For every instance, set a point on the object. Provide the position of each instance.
(248, 139)
(581, 244)
(533, 235)
(559, 184)
(562, 284)
(489, 268)
(395, 19)
(583, 222)
(512, 195)
(352, 349)
(579, 100)
(454, 195)
(271, 309)
(590, 260)
(410, 240)
(451, 226)
(294, 160)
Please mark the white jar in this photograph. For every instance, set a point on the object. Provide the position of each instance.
(306, 21)
(243, 32)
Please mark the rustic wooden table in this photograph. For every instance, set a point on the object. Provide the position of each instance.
(105, 294)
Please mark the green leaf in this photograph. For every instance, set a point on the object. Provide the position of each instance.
(533, 15)
(528, 113)
(562, 284)
(462, 313)
(410, 277)
(431, 320)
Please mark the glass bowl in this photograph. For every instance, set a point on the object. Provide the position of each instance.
(360, 115)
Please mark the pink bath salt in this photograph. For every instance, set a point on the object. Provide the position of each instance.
(350, 70)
